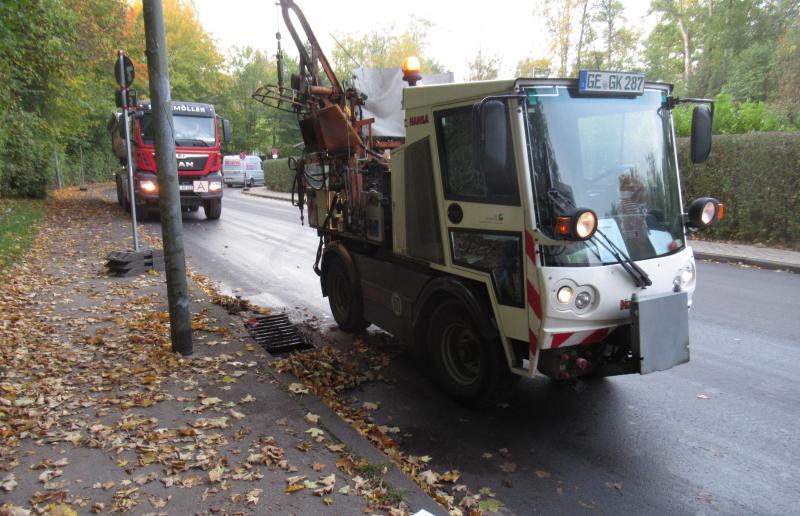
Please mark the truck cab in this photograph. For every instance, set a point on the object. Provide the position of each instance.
(197, 130)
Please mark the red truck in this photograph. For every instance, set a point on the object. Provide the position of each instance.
(197, 130)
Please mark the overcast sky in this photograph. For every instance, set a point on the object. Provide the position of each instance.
(508, 28)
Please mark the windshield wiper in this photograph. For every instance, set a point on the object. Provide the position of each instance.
(638, 274)
(192, 141)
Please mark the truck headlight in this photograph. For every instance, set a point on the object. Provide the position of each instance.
(583, 299)
(148, 186)
(564, 295)
(214, 186)
(684, 278)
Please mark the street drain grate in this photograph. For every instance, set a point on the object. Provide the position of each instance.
(276, 334)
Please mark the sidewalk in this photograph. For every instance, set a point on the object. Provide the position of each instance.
(764, 257)
(98, 415)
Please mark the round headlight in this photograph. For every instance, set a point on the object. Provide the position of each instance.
(582, 300)
(585, 225)
(684, 278)
(703, 212)
(709, 210)
(564, 295)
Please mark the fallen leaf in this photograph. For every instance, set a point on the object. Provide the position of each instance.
(9, 483)
(315, 432)
(368, 405)
(704, 396)
(252, 496)
(541, 473)
(490, 505)
(210, 401)
(291, 488)
(614, 485)
(298, 388)
(317, 466)
(508, 467)
(429, 477)
(215, 475)
(312, 418)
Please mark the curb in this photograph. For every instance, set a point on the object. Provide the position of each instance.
(414, 496)
(269, 195)
(763, 263)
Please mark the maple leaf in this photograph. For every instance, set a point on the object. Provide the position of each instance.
(315, 432)
(9, 483)
(429, 477)
(541, 473)
(252, 496)
(368, 405)
(312, 418)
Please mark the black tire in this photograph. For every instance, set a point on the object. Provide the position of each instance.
(126, 204)
(213, 208)
(468, 367)
(344, 297)
(251, 183)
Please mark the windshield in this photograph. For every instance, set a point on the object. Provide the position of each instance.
(189, 130)
(614, 156)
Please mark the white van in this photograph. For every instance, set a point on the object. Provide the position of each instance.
(246, 172)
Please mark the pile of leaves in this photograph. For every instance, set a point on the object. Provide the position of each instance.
(85, 364)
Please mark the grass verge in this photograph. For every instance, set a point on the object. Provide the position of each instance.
(19, 224)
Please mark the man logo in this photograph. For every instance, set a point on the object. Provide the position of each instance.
(186, 164)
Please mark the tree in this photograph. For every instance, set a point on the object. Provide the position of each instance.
(559, 19)
(619, 41)
(678, 20)
(483, 68)
(384, 48)
(534, 67)
(194, 61)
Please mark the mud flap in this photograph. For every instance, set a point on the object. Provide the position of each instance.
(660, 331)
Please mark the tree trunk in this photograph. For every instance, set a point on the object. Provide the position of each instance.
(578, 57)
(687, 50)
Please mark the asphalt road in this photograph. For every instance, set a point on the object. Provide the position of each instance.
(718, 435)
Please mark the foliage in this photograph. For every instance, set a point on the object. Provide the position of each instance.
(731, 117)
(19, 221)
(255, 127)
(757, 176)
(483, 68)
(277, 176)
(534, 67)
(383, 48)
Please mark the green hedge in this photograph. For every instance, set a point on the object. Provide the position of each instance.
(277, 176)
(757, 176)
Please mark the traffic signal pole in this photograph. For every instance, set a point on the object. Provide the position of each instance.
(168, 189)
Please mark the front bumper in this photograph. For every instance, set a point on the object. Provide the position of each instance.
(188, 194)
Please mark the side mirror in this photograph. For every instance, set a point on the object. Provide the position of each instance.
(226, 130)
(490, 137)
(702, 118)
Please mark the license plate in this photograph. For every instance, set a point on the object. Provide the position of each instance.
(201, 186)
(186, 188)
(611, 83)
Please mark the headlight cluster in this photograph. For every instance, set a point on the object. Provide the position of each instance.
(214, 186)
(148, 186)
(579, 298)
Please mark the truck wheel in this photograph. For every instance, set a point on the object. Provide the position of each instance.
(126, 204)
(467, 366)
(251, 183)
(213, 208)
(344, 298)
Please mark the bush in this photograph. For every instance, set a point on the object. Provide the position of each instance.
(734, 118)
(277, 176)
(757, 176)
(25, 156)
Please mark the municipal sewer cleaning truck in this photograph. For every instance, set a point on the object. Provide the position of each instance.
(196, 128)
(509, 227)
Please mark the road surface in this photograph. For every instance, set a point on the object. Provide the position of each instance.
(718, 435)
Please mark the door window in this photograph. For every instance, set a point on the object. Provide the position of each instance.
(461, 178)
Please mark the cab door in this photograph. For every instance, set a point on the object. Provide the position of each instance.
(483, 220)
